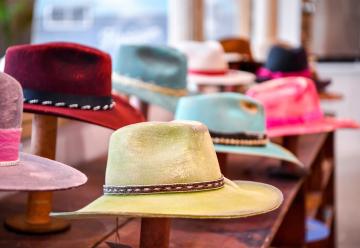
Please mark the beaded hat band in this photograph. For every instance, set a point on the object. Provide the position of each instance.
(68, 100)
(239, 139)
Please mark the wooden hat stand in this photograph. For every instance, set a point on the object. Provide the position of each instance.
(39, 204)
(155, 232)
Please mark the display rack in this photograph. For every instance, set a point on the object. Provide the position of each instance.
(285, 227)
(303, 197)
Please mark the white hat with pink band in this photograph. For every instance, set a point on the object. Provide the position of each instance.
(207, 65)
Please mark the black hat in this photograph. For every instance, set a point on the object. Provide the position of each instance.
(288, 60)
(285, 59)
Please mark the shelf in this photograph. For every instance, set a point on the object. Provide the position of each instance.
(327, 172)
(314, 199)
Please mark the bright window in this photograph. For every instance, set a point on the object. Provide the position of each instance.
(221, 18)
(104, 24)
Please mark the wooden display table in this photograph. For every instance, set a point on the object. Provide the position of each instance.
(330, 96)
(303, 197)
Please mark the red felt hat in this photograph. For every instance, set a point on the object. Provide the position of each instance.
(69, 80)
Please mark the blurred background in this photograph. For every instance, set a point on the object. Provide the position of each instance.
(328, 29)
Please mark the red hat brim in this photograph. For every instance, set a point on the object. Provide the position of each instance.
(122, 114)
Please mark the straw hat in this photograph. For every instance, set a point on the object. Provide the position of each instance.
(170, 169)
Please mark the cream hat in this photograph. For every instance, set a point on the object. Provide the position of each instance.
(207, 65)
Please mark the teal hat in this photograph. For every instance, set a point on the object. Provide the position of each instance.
(236, 124)
(154, 74)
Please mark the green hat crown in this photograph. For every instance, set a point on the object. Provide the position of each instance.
(161, 153)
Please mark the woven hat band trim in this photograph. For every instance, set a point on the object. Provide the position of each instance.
(164, 188)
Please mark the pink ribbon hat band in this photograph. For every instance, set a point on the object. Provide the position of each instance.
(266, 73)
(9, 146)
(20, 171)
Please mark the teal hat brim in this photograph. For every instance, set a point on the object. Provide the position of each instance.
(162, 100)
(271, 150)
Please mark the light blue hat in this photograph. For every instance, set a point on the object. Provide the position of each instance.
(236, 124)
(154, 74)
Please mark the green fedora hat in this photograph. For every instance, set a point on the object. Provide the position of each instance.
(170, 169)
(154, 74)
(236, 123)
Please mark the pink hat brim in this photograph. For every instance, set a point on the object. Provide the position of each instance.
(34, 173)
(327, 124)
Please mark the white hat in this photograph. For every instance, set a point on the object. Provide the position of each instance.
(207, 64)
(2, 64)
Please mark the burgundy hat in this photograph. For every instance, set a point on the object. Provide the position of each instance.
(20, 171)
(69, 80)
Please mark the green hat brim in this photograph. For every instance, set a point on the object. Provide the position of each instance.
(236, 199)
(271, 150)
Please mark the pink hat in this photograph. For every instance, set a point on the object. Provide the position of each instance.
(292, 107)
(20, 171)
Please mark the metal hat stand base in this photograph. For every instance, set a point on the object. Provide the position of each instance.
(37, 219)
